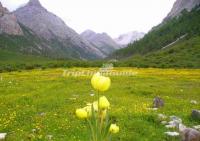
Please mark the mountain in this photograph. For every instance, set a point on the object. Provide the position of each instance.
(61, 39)
(8, 22)
(173, 43)
(130, 37)
(101, 40)
(180, 5)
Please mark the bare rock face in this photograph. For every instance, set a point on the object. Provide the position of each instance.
(48, 26)
(158, 102)
(3, 10)
(128, 38)
(101, 40)
(180, 5)
(8, 22)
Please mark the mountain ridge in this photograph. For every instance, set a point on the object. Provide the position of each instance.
(180, 5)
(8, 22)
(50, 27)
(130, 37)
(101, 40)
(176, 32)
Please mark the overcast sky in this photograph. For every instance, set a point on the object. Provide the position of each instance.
(112, 16)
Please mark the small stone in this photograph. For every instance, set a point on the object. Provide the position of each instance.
(175, 118)
(174, 123)
(42, 114)
(49, 137)
(164, 122)
(152, 109)
(33, 130)
(3, 136)
(194, 102)
(170, 126)
(197, 127)
(195, 114)
(162, 117)
(173, 134)
(92, 94)
(158, 102)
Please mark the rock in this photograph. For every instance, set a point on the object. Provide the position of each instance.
(152, 109)
(180, 5)
(162, 117)
(158, 102)
(33, 130)
(9, 23)
(170, 126)
(194, 102)
(3, 10)
(92, 94)
(197, 127)
(174, 123)
(172, 134)
(42, 114)
(195, 114)
(164, 122)
(182, 127)
(3, 136)
(189, 134)
(176, 119)
(49, 137)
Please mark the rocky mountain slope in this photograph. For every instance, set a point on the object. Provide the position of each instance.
(101, 40)
(180, 5)
(51, 28)
(130, 37)
(8, 22)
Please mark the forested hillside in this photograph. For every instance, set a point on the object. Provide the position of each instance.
(187, 25)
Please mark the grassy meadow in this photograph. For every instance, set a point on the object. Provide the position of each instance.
(39, 105)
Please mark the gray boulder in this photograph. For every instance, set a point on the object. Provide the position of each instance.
(158, 102)
(189, 134)
(195, 114)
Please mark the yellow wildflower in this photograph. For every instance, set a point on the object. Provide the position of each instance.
(114, 128)
(81, 113)
(103, 103)
(100, 83)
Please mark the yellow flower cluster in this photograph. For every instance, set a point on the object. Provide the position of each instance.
(84, 113)
(98, 109)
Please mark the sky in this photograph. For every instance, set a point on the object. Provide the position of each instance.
(114, 17)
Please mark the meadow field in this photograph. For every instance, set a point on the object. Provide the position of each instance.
(39, 105)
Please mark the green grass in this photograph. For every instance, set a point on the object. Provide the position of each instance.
(44, 100)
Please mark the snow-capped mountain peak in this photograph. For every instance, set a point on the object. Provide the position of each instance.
(129, 37)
